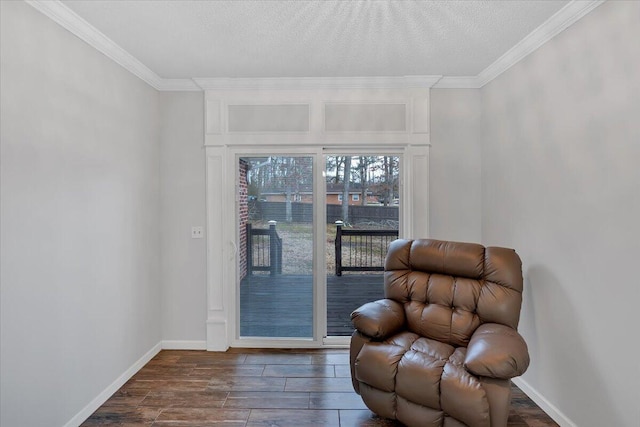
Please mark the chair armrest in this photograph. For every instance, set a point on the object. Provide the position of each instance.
(496, 351)
(379, 319)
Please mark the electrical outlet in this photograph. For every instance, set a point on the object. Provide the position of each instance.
(197, 232)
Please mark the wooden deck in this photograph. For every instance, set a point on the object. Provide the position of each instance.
(282, 305)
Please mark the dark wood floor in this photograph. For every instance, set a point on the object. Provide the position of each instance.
(244, 387)
(282, 305)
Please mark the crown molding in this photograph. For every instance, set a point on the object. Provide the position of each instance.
(313, 83)
(560, 21)
(70, 20)
(457, 82)
(564, 18)
(178, 85)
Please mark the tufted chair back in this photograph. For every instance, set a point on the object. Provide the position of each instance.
(448, 289)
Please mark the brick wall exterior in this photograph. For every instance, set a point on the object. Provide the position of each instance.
(243, 216)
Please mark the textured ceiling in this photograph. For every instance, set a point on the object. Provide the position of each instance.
(185, 39)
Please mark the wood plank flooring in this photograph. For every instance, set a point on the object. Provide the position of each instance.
(251, 388)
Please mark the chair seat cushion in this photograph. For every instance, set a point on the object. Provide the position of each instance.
(420, 381)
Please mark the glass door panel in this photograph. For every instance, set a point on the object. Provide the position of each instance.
(275, 218)
(362, 202)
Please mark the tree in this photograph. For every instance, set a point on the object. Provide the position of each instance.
(364, 172)
(345, 190)
(333, 164)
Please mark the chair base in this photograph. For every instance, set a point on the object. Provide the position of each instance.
(421, 382)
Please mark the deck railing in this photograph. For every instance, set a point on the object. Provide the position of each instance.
(361, 250)
(264, 249)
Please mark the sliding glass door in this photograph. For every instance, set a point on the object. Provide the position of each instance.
(362, 194)
(275, 219)
(350, 216)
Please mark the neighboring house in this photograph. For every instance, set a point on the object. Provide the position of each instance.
(335, 193)
(304, 194)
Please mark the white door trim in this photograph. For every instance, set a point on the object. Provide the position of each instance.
(223, 238)
(221, 148)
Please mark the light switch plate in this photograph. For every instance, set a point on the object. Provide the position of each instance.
(197, 232)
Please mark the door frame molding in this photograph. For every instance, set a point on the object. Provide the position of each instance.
(222, 147)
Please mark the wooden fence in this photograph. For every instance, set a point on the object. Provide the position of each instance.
(303, 212)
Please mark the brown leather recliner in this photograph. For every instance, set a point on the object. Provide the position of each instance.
(442, 347)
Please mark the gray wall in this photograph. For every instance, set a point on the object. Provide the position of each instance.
(455, 166)
(79, 216)
(454, 191)
(184, 266)
(561, 184)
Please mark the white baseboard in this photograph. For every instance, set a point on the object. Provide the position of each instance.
(543, 403)
(184, 345)
(86, 412)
